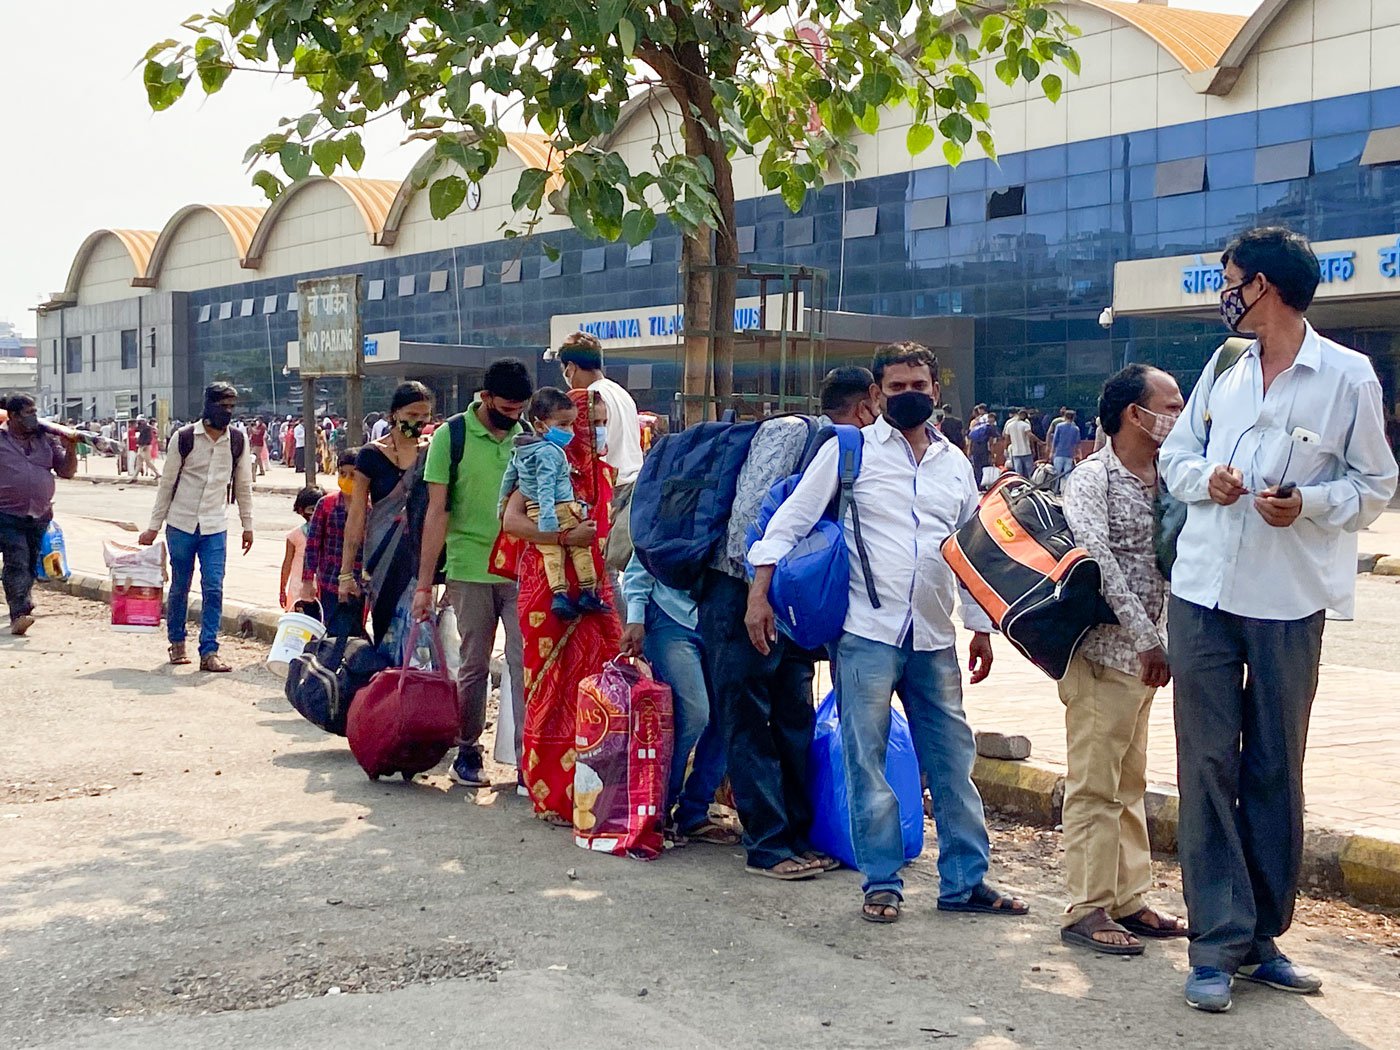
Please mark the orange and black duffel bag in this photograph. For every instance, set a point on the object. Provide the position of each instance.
(1018, 559)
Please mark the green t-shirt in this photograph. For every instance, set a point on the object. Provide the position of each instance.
(472, 524)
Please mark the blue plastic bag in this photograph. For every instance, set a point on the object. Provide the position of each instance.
(831, 820)
(53, 555)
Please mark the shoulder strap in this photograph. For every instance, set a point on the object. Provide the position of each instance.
(1229, 355)
(185, 436)
(457, 435)
(235, 437)
(850, 448)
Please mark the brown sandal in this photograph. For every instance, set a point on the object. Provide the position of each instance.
(211, 662)
(1081, 935)
(177, 654)
(713, 834)
(1146, 922)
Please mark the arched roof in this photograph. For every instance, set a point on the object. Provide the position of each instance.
(533, 151)
(1196, 39)
(138, 244)
(1254, 29)
(240, 221)
(372, 199)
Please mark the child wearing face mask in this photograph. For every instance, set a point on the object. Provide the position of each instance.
(325, 540)
(294, 558)
(540, 470)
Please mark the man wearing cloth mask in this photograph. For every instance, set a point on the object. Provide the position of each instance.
(192, 504)
(1276, 456)
(1113, 677)
(29, 459)
(913, 491)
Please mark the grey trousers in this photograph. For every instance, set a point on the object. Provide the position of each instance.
(479, 608)
(1244, 689)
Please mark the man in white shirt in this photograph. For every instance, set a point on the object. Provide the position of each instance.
(1276, 457)
(581, 358)
(299, 447)
(380, 428)
(192, 504)
(912, 492)
(1021, 448)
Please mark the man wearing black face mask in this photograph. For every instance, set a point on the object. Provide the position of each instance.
(913, 490)
(192, 504)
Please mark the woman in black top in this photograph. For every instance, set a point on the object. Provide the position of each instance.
(376, 515)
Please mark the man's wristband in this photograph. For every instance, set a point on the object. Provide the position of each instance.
(424, 590)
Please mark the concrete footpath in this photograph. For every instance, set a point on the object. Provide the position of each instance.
(282, 480)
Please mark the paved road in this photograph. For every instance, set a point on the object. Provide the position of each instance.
(179, 849)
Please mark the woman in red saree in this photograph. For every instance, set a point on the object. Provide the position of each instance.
(559, 654)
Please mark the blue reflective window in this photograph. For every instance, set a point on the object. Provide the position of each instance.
(1091, 155)
(1141, 182)
(1009, 170)
(1048, 163)
(967, 207)
(1181, 140)
(1144, 215)
(929, 182)
(1184, 212)
(1334, 116)
(963, 240)
(1090, 220)
(1088, 190)
(1338, 151)
(1385, 108)
(1285, 124)
(1236, 132)
(1142, 147)
(1051, 227)
(1045, 196)
(1232, 207)
(969, 175)
(1226, 170)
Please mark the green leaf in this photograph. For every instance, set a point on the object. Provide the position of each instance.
(269, 183)
(296, 162)
(952, 152)
(988, 144)
(609, 14)
(1069, 58)
(354, 150)
(637, 225)
(1006, 71)
(530, 190)
(1030, 68)
(919, 138)
(964, 87)
(627, 37)
(326, 154)
(446, 196)
(1053, 85)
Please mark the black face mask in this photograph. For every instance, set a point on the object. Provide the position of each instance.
(217, 416)
(499, 420)
(410, 428)
(909, 410)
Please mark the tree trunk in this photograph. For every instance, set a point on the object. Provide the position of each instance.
(696, 259)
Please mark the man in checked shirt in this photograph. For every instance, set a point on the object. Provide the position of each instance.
(1112, 679)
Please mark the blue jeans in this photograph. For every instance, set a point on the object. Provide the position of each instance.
(211, 549)
(930, 688)
(677, 655)
(1023, 465)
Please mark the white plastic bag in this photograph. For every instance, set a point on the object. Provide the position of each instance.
(504, 749)
(451, 639)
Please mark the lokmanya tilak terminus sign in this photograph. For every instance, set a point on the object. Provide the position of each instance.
(328, 326)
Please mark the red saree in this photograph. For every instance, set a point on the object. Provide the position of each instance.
(558, 655)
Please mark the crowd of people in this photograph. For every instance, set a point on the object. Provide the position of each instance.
(513, 513)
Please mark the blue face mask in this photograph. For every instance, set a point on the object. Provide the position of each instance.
(559, 436)
(600, 437)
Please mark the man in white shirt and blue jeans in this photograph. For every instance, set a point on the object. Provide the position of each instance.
(1276, 457)
(914, 489)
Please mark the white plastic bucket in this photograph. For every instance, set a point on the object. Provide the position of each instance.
(294, 632)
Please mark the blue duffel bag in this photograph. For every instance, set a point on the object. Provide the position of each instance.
(826, 779)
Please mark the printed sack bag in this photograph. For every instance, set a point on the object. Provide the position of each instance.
(624, 734)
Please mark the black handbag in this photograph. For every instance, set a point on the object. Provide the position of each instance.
(323, 680)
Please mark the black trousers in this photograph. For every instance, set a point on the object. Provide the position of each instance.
(19, 544)
(1244, 690)
(767, 717)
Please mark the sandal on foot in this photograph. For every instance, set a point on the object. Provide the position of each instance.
(211, 662)
(883, 902)
(792, 869)
(1082, 935)
(714, 834)
(177, 654)
(821, 860)
(987, 901)
(1145, 922)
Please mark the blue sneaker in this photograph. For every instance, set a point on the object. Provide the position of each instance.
(1208, 989)
(466, 769)
(1280, 973)
(564, 608)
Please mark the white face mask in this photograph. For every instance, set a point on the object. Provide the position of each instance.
(1161, 425)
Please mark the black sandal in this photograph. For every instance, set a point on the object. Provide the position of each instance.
(987, 901)
(882, 899)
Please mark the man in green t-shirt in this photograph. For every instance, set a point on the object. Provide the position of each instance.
(469, 528)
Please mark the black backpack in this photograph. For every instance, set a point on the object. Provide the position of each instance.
(323, 680)
(416, 509)
(184, 441)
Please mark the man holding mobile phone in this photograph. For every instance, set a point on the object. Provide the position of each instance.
(1277, 455)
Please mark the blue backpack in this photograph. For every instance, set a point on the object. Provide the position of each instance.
(810, 592)
(685, 494)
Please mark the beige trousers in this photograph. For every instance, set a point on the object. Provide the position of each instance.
(1108, 860)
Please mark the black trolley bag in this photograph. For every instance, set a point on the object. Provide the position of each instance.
(324, 679)
(1018, 560)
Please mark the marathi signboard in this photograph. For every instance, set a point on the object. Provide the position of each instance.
(665, 325)
(328, 326)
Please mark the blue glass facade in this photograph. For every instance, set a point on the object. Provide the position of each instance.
(1034, 282)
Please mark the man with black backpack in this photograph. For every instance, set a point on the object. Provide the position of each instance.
(912, 491)
(192, 504)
